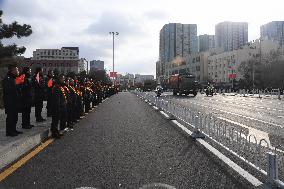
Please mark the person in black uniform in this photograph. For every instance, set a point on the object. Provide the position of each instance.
(11, 100)
(58, 106)
(87, 96)
(79, 100)
(49, 84)
(26, 98)
(38, 84)
(73, 100)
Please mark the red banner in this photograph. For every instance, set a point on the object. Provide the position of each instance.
(112, 74)
(232, 76)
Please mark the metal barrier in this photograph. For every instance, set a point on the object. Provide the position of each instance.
(274, 93)
(228, 135)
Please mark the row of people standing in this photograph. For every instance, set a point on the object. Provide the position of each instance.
(72, 98)
(22, 91)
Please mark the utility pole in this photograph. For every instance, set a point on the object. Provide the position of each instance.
(113, 34)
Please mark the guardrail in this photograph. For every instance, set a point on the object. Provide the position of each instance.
(258, 154)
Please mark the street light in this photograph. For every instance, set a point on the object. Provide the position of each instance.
(113, 34)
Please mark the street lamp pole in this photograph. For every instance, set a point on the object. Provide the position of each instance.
(113, 33)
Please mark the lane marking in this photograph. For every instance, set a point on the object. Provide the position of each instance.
(24, 160)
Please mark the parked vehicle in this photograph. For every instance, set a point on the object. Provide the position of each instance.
(183, 84)
(149, 85)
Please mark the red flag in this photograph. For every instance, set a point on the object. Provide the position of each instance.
(49, 83)
(113, 74)
(20, 79)
(232, 76)
(37, 77)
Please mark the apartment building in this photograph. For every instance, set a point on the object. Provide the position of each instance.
(231, 35)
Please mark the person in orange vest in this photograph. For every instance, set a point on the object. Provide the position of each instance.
(58, 106)
(87, 96)
(11, 100)
(74, 96)
(26, 98)
(49, 85)
(79, 99)
(38, 84)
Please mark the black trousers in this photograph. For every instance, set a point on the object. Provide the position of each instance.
(26, 118)
(87, 106)
(55, 120)
(48, 106)
(11, 122)
(38, 110)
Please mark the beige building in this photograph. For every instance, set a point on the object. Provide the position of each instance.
(65, 53)
(216, 65)
(64, 60)
(223, 64)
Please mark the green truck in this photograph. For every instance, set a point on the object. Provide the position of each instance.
(183, 84)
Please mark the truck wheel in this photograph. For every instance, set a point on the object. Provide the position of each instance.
(174, 93)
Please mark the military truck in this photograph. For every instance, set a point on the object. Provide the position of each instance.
(149, 85)
(183, 84)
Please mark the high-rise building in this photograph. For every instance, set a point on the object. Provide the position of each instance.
(206, 42)
(273, 31)
(231, 35)
(176, 40)
(97, 65)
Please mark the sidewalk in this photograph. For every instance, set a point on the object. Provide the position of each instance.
(11, 148)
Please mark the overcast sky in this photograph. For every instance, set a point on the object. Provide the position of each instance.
(86, 24)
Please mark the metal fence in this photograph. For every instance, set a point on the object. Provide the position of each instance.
(236, 139)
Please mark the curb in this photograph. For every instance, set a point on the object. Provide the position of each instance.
(22, 147)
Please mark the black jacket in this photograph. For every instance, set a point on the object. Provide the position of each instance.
(27, 92)
(11, 95)
(38, 89)
(59, 101)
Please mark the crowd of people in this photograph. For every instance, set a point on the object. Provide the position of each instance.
(68, 98)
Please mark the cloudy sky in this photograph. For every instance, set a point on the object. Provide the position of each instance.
(86, 24)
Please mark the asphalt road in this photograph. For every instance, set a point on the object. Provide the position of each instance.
(263, 117)
(124, 143)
